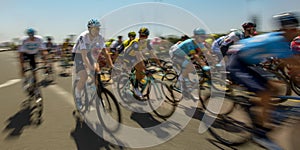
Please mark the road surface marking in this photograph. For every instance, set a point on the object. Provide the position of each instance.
(10, 82)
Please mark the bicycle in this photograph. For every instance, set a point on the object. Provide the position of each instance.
(31, 87)
(237, 128)
(163, 108)
(230, 89)
(107, 107)
(65, 64)
(171, 77)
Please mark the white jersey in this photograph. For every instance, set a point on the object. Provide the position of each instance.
(228, 39)
(84, 42)
(217, 44)
(32, 46)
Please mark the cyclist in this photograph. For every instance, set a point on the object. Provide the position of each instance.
(131, 36)
(31, 45)
(190, 49)
(66, 49)
(295, 44)
(249, 52)
(114, 47)
(49, 53)
(294, 69)
(134, 52)
(88, 46)
(220, 46)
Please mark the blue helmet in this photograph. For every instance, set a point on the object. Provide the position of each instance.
(30, 31)
(199, 31)
(93, 23)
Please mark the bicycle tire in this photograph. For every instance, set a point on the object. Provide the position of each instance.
(105, 102)
(295, 86)
(219, 92)
(84, 102)
(171, 80)
(165, 107)
(287, 87)
(231, 131)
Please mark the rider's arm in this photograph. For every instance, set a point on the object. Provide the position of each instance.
(107, 56)
(152, 53)
(21, 59)
(198, 59)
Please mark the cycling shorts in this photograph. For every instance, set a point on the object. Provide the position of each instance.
(243, 74)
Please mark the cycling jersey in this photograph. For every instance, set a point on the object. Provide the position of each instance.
(256, 49)
(216, 44)
(93, 48)
(114, 46)
(222, 43)
(187, 47)
(253, 51)
(85, 43)
(137, 45)
(32, 46)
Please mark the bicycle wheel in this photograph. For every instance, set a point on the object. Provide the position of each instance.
(162, 106)
(217, 103)
(232, 129)
(50, 74)
(278, 80)
(295, 84)
(124, 87)
(84, 98)
(171, 83)
(108, 110)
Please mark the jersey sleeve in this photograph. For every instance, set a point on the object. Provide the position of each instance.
(231, 38)
(149, 45)
(80, 44)
(42, 46)
(22, 48)
(102, 42)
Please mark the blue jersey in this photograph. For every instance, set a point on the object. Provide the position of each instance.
(256, 49)
(188, 47)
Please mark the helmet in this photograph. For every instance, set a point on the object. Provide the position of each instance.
(30, 31)
(287, 20)
(144, 31)
(248, 25)
(199, 31)
(132, 34)
(93, 23)
(295, 44)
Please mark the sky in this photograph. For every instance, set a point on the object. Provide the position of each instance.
(61, 18)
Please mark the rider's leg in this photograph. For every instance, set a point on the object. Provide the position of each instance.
(21, 59)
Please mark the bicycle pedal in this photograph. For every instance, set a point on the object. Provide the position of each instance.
(39, 100)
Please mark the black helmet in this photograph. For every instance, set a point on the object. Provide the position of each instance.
(287, 20)
(144, 31)
(131, 34)
(248, 25)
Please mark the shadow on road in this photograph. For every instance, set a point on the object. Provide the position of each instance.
(25, 117)
(86, 139)
(220, 145)
(150, 124)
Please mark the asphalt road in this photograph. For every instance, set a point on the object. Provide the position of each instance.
(59, 129)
